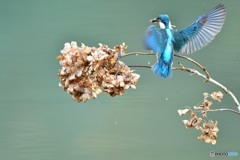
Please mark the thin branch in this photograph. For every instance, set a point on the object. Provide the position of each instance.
(217, 110)
(225, 89)
(141, 66)
(223, 109)
(196, 63)
(193, 71)
(136, 53)
(206, 78)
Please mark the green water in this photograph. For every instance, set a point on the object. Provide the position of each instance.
(39, 121)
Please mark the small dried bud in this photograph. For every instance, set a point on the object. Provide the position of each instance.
(217, 96)
(207, 104)
(198, 127)
(204, 114)
(120, 49)
(186, 123)
(182, 112)
(198, 107)
(205, 95)
(195, 121)
(98, 91)
(89, 58)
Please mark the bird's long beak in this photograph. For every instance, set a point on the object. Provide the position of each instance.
(154, 20)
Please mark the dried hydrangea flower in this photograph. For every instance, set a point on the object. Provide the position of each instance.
(88, 71)
(217, 96)
(121, 49)
(206, 105)
(209, 132)
(193, 121)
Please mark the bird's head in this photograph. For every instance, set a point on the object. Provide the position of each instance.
(163, 21)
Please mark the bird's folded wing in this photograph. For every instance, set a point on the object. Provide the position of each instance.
(155, 40)
(201, 32)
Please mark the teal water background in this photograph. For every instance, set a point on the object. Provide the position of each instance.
(39, 121)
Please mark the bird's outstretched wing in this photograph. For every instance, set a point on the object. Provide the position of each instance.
(155, 40)
(201, 32)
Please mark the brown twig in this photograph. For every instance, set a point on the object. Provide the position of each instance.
(216, 110)
(224, 109)
(141, 66)
(193, 71)
(225, 89)
(136, 53)
(196, 63)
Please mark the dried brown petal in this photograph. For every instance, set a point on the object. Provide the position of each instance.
(133, 86)
(217, 96)
(194, 121)
(186, 123)
(207, 104)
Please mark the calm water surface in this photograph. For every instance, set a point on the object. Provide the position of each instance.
(39, 121)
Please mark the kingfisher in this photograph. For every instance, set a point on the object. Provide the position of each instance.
(165, 41)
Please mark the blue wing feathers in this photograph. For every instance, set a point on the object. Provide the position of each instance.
(201, 32)
(155, 40)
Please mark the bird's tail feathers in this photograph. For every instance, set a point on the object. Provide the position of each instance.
(163, 69)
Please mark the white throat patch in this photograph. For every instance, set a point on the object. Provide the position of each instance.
(162, 26)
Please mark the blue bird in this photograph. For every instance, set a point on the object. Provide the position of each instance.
(165, 41)
(161, 42)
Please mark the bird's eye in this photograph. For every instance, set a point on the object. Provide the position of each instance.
(149, 33)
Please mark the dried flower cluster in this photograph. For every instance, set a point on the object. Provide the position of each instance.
(194, 121)
(217, 96)
(208, 129)
(209, 132)
(88, 71)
